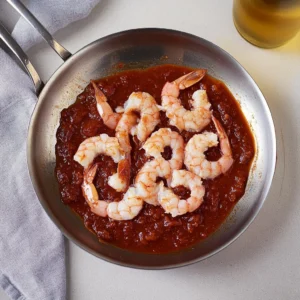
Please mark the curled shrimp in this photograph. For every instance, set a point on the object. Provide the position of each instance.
(195, 160)
(131, 124)
(146, 179)
(99, 207)
(109, 117)
(93, 146)
(154, 146)
(190, 120)
(126, 209)
(103, 144)
(149, 114)
(123, 129)
(171, 203)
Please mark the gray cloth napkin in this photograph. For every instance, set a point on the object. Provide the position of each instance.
(32, 254)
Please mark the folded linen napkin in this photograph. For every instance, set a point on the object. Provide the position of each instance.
(32, 254)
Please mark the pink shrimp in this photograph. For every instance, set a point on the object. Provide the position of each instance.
(195, 160)
(110, 118)
(190, 120)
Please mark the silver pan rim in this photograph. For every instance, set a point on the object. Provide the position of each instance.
(70, 236)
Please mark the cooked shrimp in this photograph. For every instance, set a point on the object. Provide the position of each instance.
(126, 123)
(131, 124)
(109, 117)
(154, 146)
(99, 207)
(103, 144)
(149, 114)
(128, 208)
(195, 160)
(124, 127)
(191, 120)
(145, 181)
(171, 203)
(93, 146)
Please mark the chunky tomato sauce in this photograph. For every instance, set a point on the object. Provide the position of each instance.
(152, 230)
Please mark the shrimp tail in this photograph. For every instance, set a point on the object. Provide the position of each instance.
(224, 142)
(90, 173)
(124, 170)
(110, 118)
(100, 97)
(188, 80)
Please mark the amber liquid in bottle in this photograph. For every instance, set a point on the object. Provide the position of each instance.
(267, 23)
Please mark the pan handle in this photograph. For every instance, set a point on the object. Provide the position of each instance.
(23, 58)
(31, 19)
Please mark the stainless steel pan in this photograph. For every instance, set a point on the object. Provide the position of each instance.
(141, 48)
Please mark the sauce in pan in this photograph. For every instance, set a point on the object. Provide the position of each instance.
(152, 230)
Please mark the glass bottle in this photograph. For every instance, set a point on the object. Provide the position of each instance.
(267, 23)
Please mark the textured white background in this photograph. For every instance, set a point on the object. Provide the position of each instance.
(264, 263)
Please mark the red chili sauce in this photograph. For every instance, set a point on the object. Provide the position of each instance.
(152, 230)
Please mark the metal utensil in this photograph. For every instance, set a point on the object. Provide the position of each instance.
(143, 48)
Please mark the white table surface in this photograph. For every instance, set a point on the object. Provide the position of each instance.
(264, 263)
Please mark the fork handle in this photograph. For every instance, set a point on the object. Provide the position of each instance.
(31, 19)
